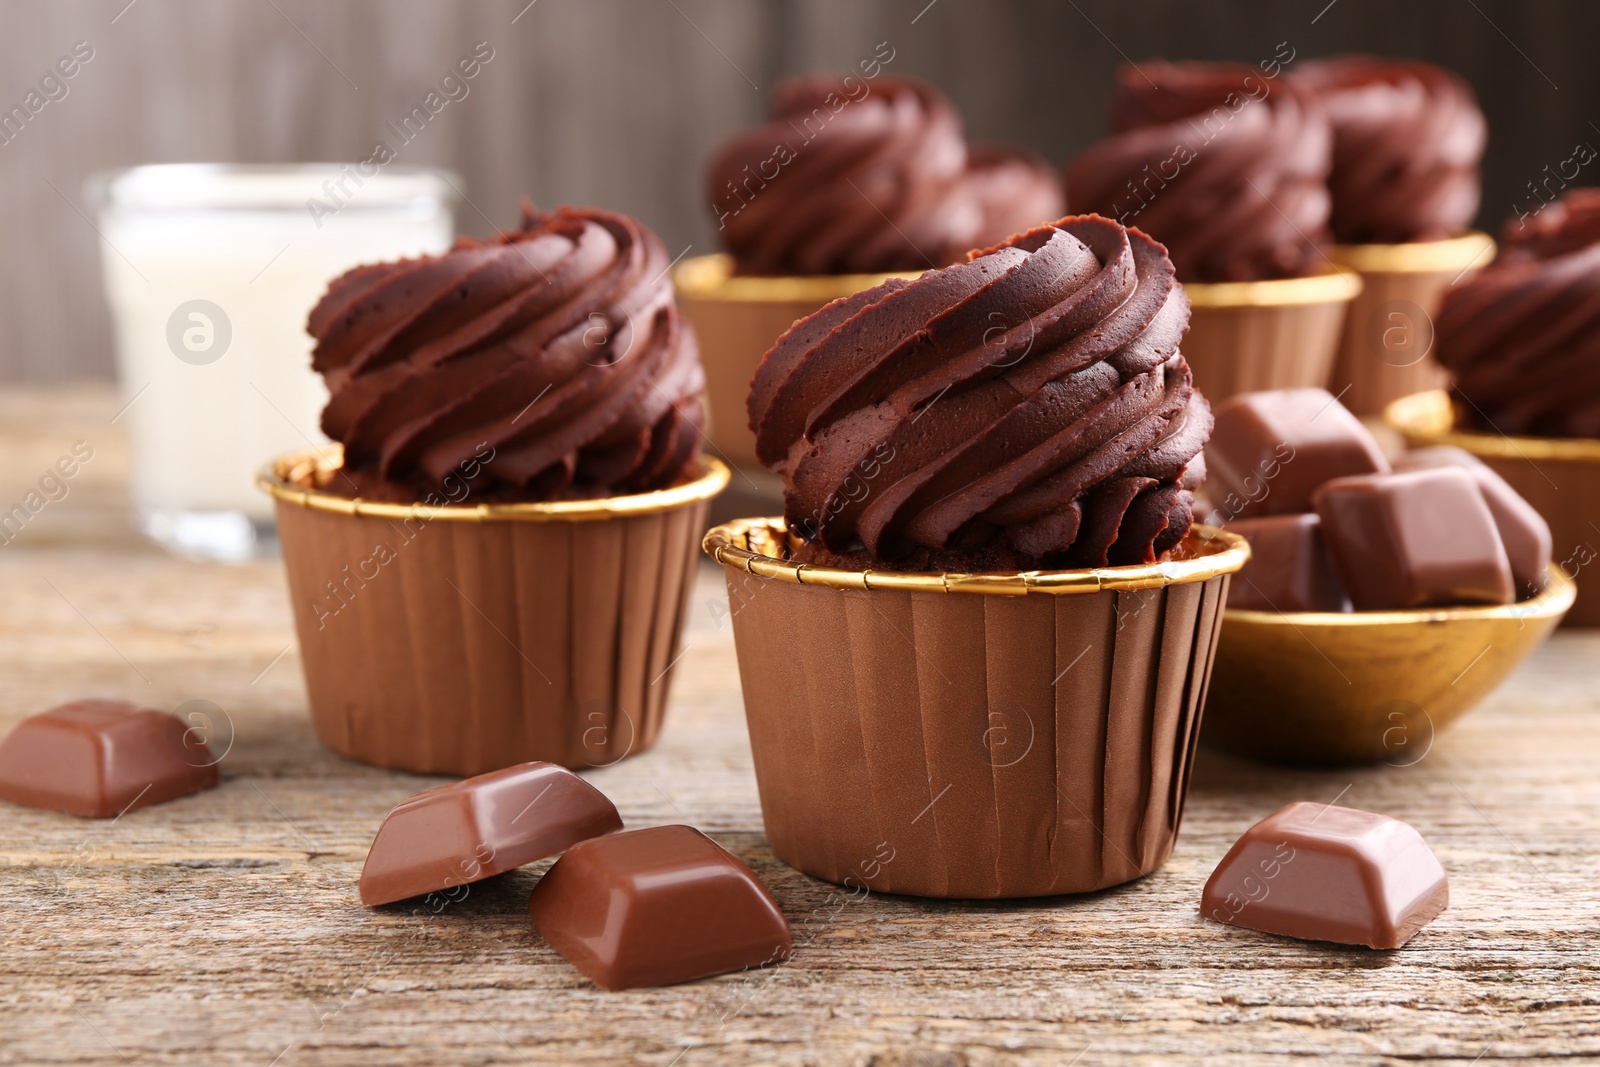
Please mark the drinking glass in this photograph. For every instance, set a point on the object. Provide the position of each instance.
(210, 271)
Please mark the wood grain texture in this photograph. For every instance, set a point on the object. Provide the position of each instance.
(225, 928)
(619, 102)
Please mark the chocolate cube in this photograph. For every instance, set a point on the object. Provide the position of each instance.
(1323, 873)
(655, 907)
(1419, 539)
(99, 758)
(1270, 451)
(483, 826)
(1522, 529)
(1289, 569)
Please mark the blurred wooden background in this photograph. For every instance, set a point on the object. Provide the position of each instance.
(618, 102)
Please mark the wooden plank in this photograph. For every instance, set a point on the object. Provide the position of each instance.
(225, 928)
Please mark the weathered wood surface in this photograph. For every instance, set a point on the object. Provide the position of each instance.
(225, 928)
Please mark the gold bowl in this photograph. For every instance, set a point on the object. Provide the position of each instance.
(1355, 687)
(1559, 476)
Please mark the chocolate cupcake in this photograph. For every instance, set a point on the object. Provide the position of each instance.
(1519, 341)
(1228, 167)
(493, 568)
(853, 179)
(1407, 140)
(975, 649)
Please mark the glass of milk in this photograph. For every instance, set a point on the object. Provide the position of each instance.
(210, 270)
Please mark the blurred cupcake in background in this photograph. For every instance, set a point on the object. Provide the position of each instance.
(1407, 141)
(1521, 341)
(1227, 165)
(852, 180)
(974, 650)
(495, 566)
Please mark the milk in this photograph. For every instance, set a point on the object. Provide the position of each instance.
(210, 272)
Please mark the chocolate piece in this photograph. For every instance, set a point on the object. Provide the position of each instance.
(470, 830)
(1413, 540)
(1323, 873)
(99, 758)
(1270, 451)
(1289, 569)
(1522, 529)
(655, 907)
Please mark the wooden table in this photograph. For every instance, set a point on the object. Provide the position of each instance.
(225, 929)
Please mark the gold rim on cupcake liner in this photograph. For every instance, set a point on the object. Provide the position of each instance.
(1418, 257)
(756, 546)
(712, 278)
(1333, 285)
(1429, 419)
(286, 478)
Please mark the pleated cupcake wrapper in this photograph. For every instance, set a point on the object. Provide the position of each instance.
(1396, 281)
(1567, 493)
(1235, 350)
(463, 647)
(737, 319)
(733, 338)
(971, 745)
(1247, 336)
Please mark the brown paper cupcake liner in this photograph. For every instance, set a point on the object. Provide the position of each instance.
(737, 319)
(972, 735)
(461, 639)
(1559, 476)
(1247, 336)
(1385, 350)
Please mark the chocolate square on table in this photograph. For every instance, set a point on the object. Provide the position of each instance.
(472, 829)
(1289, 568)
(1414, 540)
(1522, 529)
(1270, 451)
(657, 907)
(99, 758)
(1323, 873)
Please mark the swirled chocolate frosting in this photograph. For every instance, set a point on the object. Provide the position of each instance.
(1568, 225)
(1407, 138)
(1522, 338)
(1027, 408)
(860, 176)
(550, 362)
(1224, 165)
